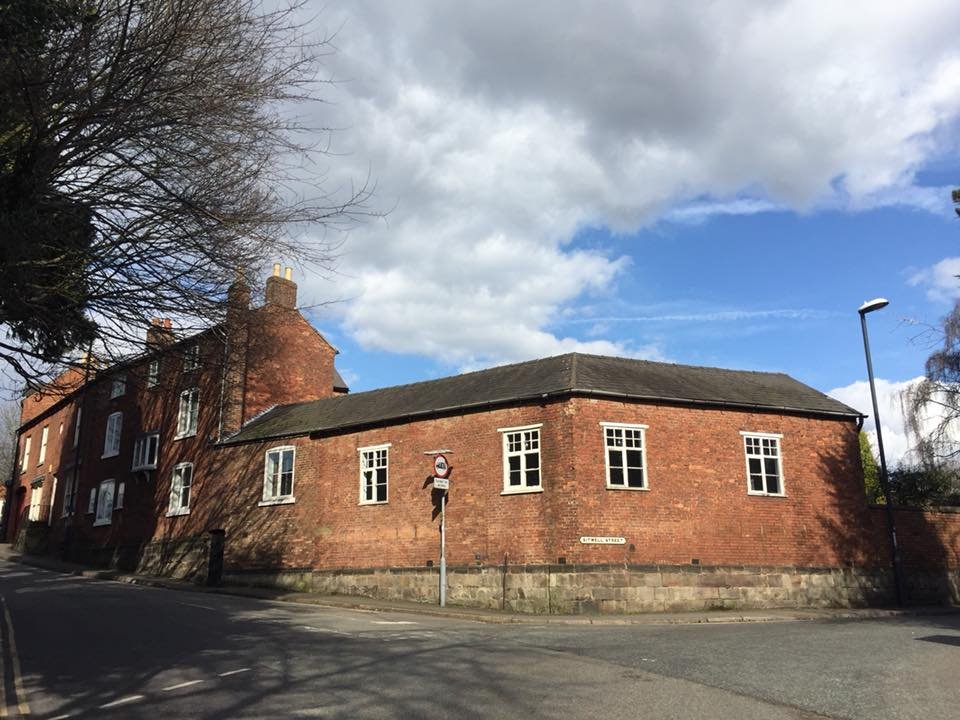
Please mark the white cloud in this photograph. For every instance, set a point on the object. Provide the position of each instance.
(942, 281)
(897, 441)
(497, 130)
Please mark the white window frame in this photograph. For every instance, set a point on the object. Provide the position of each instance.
(119, 387)
(373, 450)
(187, 413)
(118, 499)
(36, 496)
(522, 453)
(92, 501)
(141, 458)
(270, 498)
(176, 505)
(112, 435)
(69, 496)
(777, 437)
(153, 373)
(645, 473)
(25, 457)
(76, 427)
(191, 357)
(44, 437)
(104, 508)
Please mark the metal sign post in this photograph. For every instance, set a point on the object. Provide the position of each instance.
(443, 549)
(441, 481)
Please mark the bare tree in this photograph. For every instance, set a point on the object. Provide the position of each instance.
(147, 154)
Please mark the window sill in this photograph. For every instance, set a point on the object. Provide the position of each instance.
(100, 523)
(109, 455)
(185, 435)
(373, 502)
(142, 468)
(277, 501)
(751, 493)
(522, 491)
(632, 489)
(178, 512)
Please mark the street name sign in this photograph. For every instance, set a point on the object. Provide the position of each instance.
(591, 540)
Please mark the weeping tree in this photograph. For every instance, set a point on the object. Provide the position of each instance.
(147, 154)
(932, 413)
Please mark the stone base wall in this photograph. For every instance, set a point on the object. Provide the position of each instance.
(183, 559)
(620, 589)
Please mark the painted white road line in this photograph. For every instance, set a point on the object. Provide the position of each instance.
(21, 694)
(121, 701)
(393, 622)
(233, 672)
(325, 630)
(205, 607)
(188, 683)
(61, 717)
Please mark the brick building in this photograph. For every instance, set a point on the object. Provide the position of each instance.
(579, 482)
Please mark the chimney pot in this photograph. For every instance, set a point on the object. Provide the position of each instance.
(276, 269)
(288, 274)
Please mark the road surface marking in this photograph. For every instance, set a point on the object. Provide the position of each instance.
(325, 630)
(205, 607)
(61, 717)
(21, 694)
(121, 701)
(234, 672)
(188, 683)
(393, 622)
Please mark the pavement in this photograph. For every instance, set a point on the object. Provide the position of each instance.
(350, 602)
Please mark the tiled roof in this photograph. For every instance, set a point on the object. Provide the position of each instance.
(574, 373)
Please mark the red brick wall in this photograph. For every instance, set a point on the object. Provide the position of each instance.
(927, 538)
(697, 504)
(288, 361)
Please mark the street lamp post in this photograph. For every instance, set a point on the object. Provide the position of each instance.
(869, 307)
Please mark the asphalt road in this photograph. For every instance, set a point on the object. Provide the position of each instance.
(77, 647)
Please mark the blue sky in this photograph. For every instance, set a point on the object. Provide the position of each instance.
(719, 184)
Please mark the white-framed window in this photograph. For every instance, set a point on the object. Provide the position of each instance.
(92, 501)
(521, 459)
(625, 455)
(104, 503)
(119, 386)
(191, 358)
(374, 462)
(111, 439)
(181, 485)
(764, 467)
(278, 475)
(69, 496)
(36, 496)
(153, 373)
(121, 492)
(44, 436)
(76, 427)
(187, 416)
(145, 451)
(25, 458)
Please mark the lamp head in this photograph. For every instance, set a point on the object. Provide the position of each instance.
(871, 305)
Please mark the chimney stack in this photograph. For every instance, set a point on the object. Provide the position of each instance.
(281, 291)
(160, 333)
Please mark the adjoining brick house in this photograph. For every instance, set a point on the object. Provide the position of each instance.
(579, 482)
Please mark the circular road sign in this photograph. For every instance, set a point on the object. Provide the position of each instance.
(441, 468)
